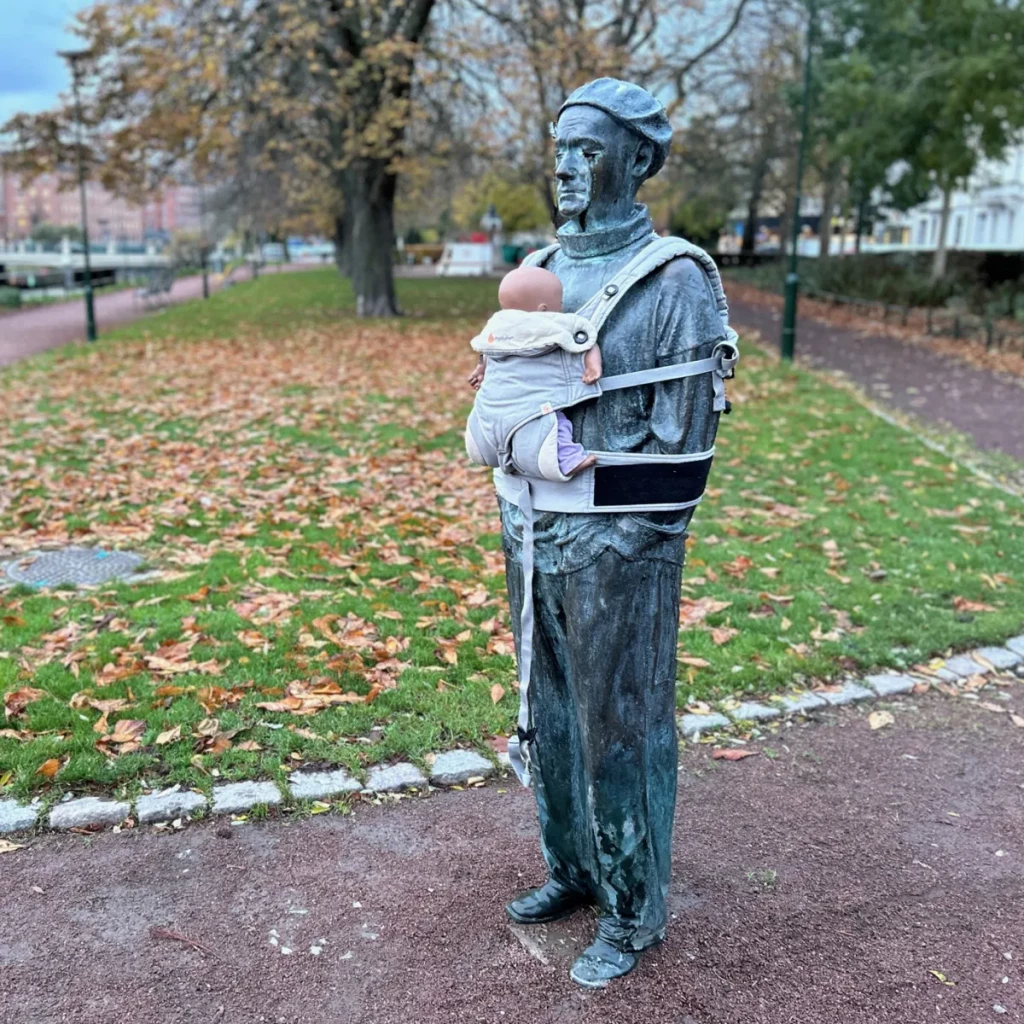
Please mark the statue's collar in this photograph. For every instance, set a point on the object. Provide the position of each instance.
(578, 244)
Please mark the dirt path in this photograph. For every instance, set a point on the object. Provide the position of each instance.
(820, 881)
(987, 407)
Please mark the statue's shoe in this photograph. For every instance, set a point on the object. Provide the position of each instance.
(600, 963)
(548, 903)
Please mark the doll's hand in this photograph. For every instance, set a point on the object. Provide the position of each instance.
(592, 366)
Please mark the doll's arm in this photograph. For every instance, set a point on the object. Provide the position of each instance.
(476, 378)
(592, 366)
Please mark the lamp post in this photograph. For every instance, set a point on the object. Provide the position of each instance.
(202, 243)
(793, 277)
(73, 57)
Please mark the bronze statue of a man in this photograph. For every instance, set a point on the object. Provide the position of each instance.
(606, 585)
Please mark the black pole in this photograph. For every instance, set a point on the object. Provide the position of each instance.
(793, 277)
(202, 245)
(72, 57)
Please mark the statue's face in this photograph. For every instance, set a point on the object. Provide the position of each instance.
(594, 159)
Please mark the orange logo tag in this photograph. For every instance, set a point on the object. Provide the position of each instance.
(490, 339)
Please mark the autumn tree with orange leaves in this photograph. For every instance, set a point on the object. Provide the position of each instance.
(316, 93)
(523, 57)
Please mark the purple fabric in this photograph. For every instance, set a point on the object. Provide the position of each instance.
(570, 454)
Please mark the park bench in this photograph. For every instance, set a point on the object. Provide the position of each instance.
(157, 288)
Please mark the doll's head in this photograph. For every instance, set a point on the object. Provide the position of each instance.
(531, 289)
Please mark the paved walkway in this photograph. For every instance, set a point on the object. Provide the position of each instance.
(822, 880)
(986, 407)
(35, 330)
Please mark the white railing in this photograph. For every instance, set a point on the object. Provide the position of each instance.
(13, 259)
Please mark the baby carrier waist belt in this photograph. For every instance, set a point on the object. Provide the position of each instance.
(620, 482)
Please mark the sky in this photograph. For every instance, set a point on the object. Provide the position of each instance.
(31, 73)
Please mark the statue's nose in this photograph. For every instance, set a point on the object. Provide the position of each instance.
(566, 167)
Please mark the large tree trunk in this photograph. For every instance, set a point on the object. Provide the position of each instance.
(753, 208)
(825, 223)
(939, 261)
(861, 212)
(342, 245)
(373, 238)
(369, 202)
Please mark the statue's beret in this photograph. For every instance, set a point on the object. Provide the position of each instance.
(631, 106)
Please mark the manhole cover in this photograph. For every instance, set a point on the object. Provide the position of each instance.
(79, 566)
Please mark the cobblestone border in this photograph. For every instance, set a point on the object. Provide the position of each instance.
(462, 767)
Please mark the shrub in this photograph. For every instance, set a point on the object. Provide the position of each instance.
(10, 298)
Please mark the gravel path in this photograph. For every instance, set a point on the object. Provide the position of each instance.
(820, 881)
(983, 405)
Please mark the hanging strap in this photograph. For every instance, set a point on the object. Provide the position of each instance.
(519, 745)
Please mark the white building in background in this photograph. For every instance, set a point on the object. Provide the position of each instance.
(987, 215)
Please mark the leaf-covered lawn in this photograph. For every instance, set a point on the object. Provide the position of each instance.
(332, 588)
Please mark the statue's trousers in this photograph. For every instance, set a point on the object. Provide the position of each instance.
(602, 700)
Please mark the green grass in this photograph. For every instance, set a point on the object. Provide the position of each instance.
(278, 302)
(282, 463)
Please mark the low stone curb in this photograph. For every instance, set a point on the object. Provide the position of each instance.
(89, 810)
(693, 725)
(168, 805)
(456, 767)
(461, 767)
(395, 778)
(451, 768)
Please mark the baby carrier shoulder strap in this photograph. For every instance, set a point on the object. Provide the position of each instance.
(539, 257)
(652, 257)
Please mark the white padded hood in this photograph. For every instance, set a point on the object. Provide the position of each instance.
(514, 331)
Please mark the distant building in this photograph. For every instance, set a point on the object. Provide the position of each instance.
(42, 201)
(177, 208)
(24, 205)
(987, 215)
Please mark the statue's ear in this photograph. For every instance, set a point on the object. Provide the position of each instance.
(642, 160)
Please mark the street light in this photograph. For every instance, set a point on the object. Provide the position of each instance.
(793, 277)
(202, 244)
(73, 57)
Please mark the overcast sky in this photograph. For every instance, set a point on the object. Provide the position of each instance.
(31, 31)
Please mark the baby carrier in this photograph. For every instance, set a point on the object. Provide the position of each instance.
(518, 443)
(534, 368)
